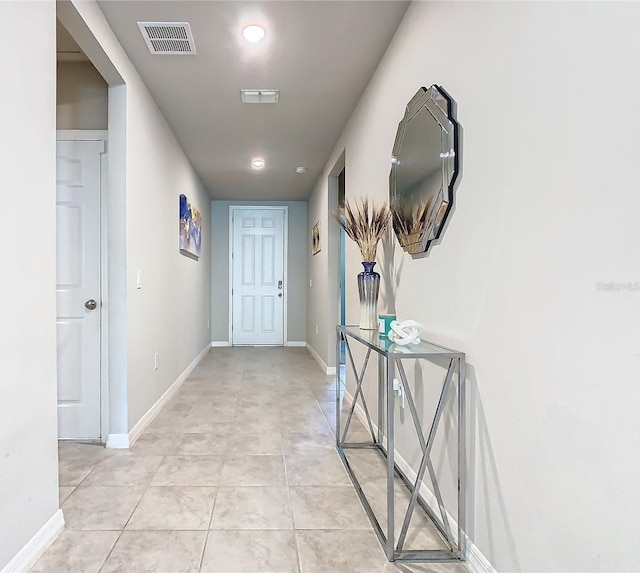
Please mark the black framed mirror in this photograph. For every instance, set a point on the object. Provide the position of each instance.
(424, 169)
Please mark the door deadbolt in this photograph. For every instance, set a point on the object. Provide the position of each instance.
(91, 304)
(280, 284)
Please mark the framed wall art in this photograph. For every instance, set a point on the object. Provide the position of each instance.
(315, 239)
(190, 232)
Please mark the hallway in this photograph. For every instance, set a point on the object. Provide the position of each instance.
(237, 474)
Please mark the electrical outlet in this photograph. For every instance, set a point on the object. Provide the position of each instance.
(155, 361)
(207, 324)
(139, 279)
(310, 283)
(316, 329)
(398, 390)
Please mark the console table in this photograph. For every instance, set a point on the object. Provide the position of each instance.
(390, 366)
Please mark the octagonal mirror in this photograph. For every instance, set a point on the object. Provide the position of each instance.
(424, 168)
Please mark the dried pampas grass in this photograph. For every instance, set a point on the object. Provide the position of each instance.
(365, 224)
(410, 221)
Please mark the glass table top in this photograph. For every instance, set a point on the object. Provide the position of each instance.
(383, 345)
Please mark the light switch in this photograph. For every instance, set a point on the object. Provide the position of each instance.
(139, 279)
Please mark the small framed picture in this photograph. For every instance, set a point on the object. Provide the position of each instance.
(190, 234)
(315, 239)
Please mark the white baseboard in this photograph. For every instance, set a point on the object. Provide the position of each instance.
(226, 343)
(123, 441)
(117, 442)
(474, 558)
(37, 545)
(476, 561)
(328, 370)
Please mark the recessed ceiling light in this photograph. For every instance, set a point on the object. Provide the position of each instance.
(301, 169)
(257, 163)
(253, 33)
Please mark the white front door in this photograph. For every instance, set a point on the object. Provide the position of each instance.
(258, 289)
(78, 181)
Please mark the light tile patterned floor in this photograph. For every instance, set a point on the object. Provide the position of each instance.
(237, 474)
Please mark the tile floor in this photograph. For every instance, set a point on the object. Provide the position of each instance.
(237, 474)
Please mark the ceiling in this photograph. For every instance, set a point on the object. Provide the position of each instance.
(320, 55)
(67, 49)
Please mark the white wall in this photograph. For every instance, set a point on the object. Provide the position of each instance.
(28, 432)
(319, 312)
(169, 314)
(298, 247)
(82, 101)
(546, 208)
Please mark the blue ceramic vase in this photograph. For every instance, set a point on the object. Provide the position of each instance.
(368, 289)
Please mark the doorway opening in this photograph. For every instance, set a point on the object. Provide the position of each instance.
(81, 167)
(336, 185)
(91, 107)
(342, 297)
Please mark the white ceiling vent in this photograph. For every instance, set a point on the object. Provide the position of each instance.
(168, 37)
(259, 96)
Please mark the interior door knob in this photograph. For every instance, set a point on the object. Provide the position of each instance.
(91, 304)
(280, 294)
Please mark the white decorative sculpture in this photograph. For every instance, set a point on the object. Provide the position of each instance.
(405, 332)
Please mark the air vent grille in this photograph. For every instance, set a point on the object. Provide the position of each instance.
(168, 37)
(259, 96)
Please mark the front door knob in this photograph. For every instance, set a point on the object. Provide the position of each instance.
(91, 304)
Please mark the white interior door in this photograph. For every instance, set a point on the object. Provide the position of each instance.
(78, 180)
(258, 289)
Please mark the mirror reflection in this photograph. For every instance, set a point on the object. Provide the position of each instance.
(423, 169)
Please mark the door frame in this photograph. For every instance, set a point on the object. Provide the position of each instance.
(333, 260)
(99, 135)
(285, 250)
